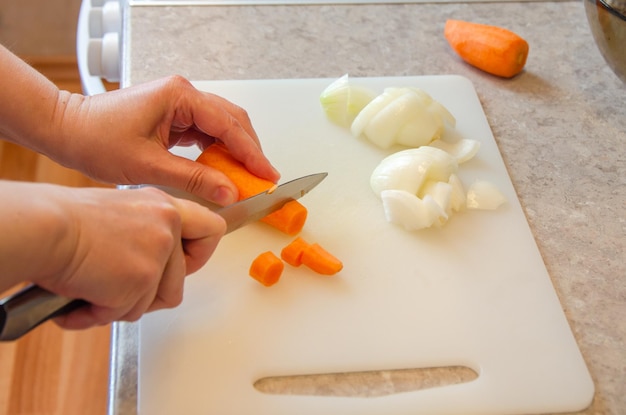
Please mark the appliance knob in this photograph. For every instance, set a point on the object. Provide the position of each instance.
(103, 58)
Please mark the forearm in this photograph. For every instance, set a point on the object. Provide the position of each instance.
(32, 109)
(32, 232)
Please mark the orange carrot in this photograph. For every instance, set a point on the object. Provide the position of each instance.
(218, 157)
(292, 253)
(493, 49)
(289, 219)
(267, 268)
(320, 260)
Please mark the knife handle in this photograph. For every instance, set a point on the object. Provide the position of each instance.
(28, 308)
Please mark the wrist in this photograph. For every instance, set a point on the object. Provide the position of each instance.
(36, 230)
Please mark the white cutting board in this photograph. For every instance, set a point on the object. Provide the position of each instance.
(474, 293)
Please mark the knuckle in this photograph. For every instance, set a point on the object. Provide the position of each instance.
(177, 81)
(173, 299)
(196, 181)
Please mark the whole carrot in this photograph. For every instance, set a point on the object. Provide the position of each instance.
(493, 49)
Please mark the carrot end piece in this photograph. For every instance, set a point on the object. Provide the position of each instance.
(320, 260)
(267, 268)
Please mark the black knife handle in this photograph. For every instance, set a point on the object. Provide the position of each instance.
(28, 308)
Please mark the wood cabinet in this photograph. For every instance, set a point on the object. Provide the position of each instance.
(39, 27)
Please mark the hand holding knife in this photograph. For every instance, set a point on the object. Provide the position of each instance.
(28, 308)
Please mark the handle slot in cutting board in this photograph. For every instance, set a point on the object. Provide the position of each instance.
(366, 384)
(475, 293)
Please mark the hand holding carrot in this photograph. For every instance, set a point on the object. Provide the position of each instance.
(123, 137)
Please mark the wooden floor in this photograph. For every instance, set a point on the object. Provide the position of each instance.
(50, 371)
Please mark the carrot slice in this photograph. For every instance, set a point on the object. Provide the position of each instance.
(289, 219)
(320, 260)
(292, 253)
(267, 268)
(493, 49)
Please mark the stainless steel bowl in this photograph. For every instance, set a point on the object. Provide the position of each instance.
(607, 19)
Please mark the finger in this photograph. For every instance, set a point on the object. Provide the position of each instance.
(87, 316)
(238, 113)
(169, 293)
(195, 178)
(201, 231)
(231, 124)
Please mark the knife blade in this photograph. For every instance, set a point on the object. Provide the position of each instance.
(255, 207)
(28, 308)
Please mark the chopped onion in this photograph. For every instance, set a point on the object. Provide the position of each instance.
(463, 149)
(457, 195)
(484, 195)
(408, 169)
(407, 116)
(441, 192)
(342, 101)
(409, 211)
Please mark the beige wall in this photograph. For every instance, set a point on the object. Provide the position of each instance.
(39, 27)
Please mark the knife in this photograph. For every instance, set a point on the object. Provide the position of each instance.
(23, 311)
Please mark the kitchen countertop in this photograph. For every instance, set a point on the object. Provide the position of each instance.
(560, 126)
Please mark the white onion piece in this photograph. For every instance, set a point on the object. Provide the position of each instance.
(408, 169)
(407, 116)
(370, 110)
(389, 125)
(409, 211)
(441, 192)
(463, 149)
(443, 112)
(342, 101)
(484, 195)
(457, 195)
(420, 130)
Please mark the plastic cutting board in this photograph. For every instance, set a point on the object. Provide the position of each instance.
(474, 293)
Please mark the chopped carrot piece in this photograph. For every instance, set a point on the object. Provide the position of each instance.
(267, 268)
(289, 219)
(292, 253)
(320, 260)
(493, 49)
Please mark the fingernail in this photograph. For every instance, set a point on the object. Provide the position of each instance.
(224, 196)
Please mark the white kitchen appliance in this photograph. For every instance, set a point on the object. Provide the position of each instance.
(98, 43)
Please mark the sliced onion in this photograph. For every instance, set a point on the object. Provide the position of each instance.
(463, 149)
(408, 169)
(441, 192)
(408, 116)
(409, 211)
(457, 195)
(484, 195)
(370, 110)
(342, 101)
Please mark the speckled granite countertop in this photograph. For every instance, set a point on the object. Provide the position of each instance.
(560, 126)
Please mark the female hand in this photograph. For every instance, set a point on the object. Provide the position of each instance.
(126, 252)
(123, 137)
